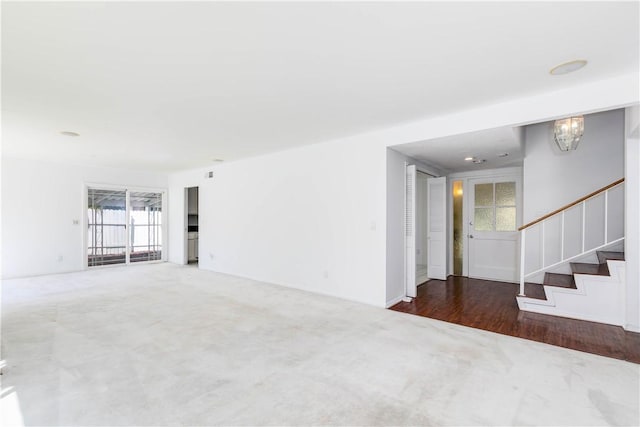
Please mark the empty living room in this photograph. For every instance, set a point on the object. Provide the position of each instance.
(320, 213)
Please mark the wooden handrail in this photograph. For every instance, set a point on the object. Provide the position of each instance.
(580, 200)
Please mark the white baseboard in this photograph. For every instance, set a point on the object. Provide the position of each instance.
(631, 328)
(394, 301)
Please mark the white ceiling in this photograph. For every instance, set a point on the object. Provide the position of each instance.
(167, 86)
(448, 153)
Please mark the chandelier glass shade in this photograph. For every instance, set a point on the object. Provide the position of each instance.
(567, 132)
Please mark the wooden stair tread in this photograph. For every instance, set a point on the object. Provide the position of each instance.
(603, 256)
(594, 269)
(559, 280)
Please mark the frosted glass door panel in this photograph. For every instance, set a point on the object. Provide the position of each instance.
(493, 236)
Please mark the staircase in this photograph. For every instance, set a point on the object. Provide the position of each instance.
(571, 257)
(593, 291)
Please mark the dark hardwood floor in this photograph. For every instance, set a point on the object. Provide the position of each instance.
(492, 306)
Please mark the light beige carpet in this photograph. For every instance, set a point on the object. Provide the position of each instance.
(170, 345)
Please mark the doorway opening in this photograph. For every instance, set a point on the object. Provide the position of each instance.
(191, 228)
(425, 228)
(458, 228)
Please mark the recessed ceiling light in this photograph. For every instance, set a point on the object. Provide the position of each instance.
(568, 67)
(503, 154)
(468, 159)
(478, 161)
(69, 133)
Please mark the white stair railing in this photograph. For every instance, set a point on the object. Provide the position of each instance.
(541, 223)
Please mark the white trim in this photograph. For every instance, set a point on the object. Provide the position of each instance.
(565, 261)
(486, 173)
(404, 230)
(394, 301)
(185, 226)
(631, 328)
(154, 261)
(465, 177)
(431, 174)
(127, 228)
(85, 226)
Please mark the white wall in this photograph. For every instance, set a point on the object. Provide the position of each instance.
(395, 176)
(40, 201)
(632, 217)
(553, 178)
(309, 218)
(288, 217)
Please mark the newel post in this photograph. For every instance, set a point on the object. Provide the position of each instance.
(522, 246)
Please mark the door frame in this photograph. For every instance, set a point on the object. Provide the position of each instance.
(185, 223)
(465, 177)
(431, 174)
(127, 189)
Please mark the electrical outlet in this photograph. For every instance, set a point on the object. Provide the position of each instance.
(76, 222)
(60, 258)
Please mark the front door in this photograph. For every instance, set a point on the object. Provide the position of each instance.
(495, 205)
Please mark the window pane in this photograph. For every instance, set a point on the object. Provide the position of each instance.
(484, 195)
(106, 222)
(505, 219)
(505, 194)
(145, 238)
(483, 219)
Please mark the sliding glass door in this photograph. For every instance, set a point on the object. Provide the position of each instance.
(123, 226)
(145, 236)
(107, 227)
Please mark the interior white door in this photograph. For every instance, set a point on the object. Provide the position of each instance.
(411, 289)
(436, 228)
(422, 244)
(494, 209)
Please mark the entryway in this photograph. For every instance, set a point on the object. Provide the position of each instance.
(191, 236)
(476, 237)
(486, 210)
